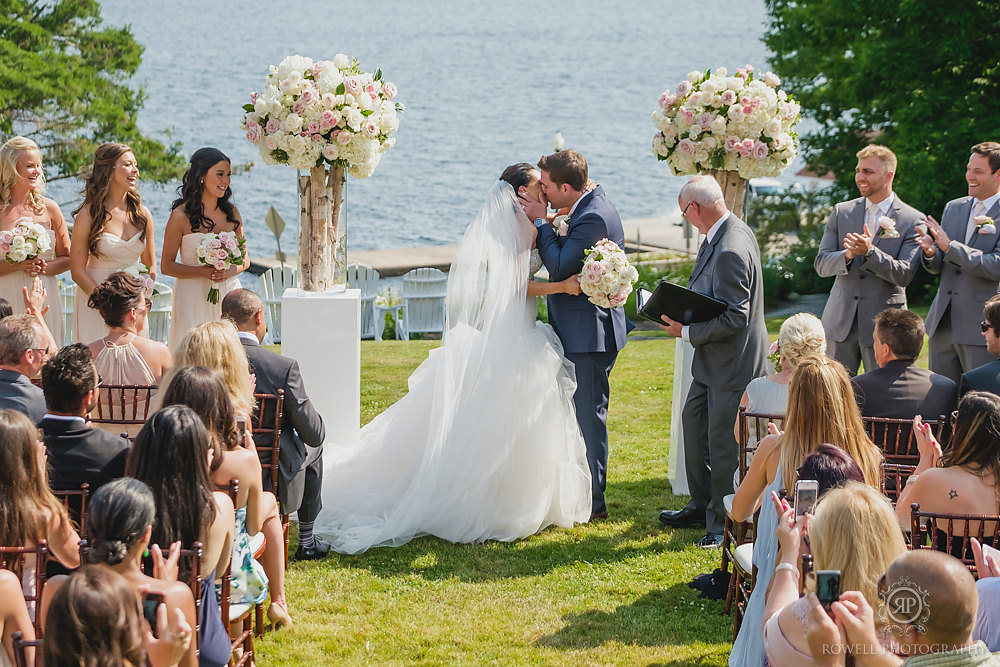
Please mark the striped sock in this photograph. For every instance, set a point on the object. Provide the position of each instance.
(306, 540)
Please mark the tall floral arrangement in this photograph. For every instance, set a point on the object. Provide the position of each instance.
(324, 112)
(720, 122)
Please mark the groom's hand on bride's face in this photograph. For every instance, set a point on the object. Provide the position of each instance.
(533, 208)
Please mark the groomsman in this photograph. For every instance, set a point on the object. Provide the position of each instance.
(965, 250)
(869, 245)
(729, 351)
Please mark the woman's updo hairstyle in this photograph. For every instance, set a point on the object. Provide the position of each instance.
(119, 514)
(518, 175)
(117, 295)
(801, 336)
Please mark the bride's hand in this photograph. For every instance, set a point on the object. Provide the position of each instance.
(571, 285)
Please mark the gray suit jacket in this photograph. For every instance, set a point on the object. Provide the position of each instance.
(18, 393)
(729, 350)
(866, 285)
(969, 273)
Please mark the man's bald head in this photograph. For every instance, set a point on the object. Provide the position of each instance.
(950, 594)
(241, 306)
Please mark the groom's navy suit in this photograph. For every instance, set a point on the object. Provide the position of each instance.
(591, 335)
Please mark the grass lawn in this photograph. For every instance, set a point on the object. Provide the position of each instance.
(604, 594)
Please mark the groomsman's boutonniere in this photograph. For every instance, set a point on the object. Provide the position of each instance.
(887, 227)
(984, 225)
(560, 224)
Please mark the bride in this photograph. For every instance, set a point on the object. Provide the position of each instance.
(485, 446)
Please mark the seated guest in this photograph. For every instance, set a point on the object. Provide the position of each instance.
(800, 336)
(831, 467)
(854, 531)
(120, 523)
(899, 388)
(76, 452)
(966, 478)
(96, 619)
(987, 376)
(23, 352)
(123, 356)
(821, 408)
(943, 590)
(302, 433)
(13, 617)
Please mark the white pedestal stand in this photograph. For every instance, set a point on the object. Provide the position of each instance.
(676, 472)
(322, 331)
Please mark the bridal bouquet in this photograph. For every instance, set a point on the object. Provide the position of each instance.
(323, 112)
(607, 276)
(734, 123)
(27, 240)
(219, 251)
(144, 274)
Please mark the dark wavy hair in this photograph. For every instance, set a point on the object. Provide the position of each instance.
(95, 193)
(119, 514)
(94, 620)
(119, 293)
(204, 391)
(518, 175)
(975, 440)
(170, 455)
(192, 186)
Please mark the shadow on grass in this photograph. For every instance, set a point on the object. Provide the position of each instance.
(664, 617)
(620, 538)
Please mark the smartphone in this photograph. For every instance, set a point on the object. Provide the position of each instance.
(992, 553)
(806, 492)
(241, 424)
(827, 587)
(150, 603)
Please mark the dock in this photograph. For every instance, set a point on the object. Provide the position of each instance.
(656, 234)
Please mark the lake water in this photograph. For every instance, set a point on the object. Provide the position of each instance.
(485, 85)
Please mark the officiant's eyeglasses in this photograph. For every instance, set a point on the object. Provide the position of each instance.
(690, 204)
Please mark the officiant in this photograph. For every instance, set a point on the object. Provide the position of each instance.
(729, 351)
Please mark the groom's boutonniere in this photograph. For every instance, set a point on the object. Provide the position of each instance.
(887, 227)
(560, 224)
(984, 225)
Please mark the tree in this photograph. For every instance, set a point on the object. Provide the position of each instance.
(919, 76)
(64, 83)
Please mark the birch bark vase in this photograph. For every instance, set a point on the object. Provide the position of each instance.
(734, 188)
(322, 230)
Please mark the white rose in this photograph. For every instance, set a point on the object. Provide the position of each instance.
(354, 119)
(694, 76)
(370, 128)
(387, 144)
(772, 80)
(293, 123)
(773, 128)
(340, 61)
(331, 151)
(18, 255)
(261, 106)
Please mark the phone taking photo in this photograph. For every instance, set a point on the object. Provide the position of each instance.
(827, 587)
(241, 424)
(806, 492)
(150, 603)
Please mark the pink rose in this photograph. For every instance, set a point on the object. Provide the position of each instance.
(759, 150)
(253, 97)
(371, 89)
(728, 97)
(344, 138)
(687, 147)
(389, 90)
(352, 84)
(732, 143)
(747, 110)
(317, 137)
(253, 133)
(313, 127)
(369, 128)
(215, 243)
(299, 106)
(273, 125)
(683, 88)
(705, 119)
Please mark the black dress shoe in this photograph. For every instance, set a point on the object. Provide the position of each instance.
(682, 518)
(319, 549)
(710, 541)
(598, 516)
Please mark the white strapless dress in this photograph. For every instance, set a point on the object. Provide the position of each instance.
(190, 305)
(504, 461)
(10, 289)
(115, 255)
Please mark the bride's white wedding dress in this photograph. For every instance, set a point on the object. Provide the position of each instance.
(485, 446)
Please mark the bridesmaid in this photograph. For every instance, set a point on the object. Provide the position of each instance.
(113, 231)
(22, 195)
(203, 208)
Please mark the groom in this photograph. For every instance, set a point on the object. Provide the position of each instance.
(591, 335)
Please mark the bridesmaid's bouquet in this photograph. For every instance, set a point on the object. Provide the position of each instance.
(27, 240)
(144, 274)
(219, 251)
(607, 276)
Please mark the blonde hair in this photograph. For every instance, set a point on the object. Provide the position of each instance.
(855, 531)
(822, 408)
(217, 345)
(801, 336)
(881, 153)
(9, 153)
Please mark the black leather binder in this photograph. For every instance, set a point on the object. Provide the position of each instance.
(678, 303)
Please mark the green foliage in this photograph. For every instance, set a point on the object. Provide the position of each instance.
(64, 83)
(919, 76)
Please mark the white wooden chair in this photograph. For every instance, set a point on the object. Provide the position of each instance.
(158, 319)
(273, 284)
(365, 278)
(424, 290)
(67, 296)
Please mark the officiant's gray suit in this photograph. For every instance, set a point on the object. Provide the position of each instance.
(864, 286)
(969, 276)
(729, 351)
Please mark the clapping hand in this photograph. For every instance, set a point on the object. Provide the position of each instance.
(927, 445)
(34, 299)
(857, 245)
(941, 238)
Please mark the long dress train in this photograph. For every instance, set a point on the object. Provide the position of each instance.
(485, 446)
